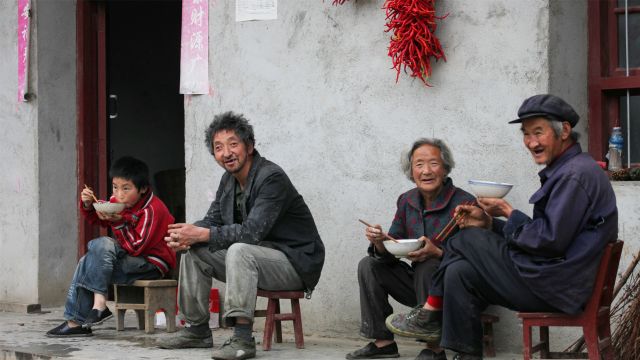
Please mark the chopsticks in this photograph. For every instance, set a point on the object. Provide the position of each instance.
(93, 196)
(450, 225)
(383, 233)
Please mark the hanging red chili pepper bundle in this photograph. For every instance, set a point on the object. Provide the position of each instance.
(413, 43)
(338, 2)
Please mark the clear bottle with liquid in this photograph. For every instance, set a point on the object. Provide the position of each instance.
(616, 143)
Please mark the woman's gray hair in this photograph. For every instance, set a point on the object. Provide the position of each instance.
(445, 153)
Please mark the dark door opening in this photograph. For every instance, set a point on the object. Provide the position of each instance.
(146, 112)
(128, 100)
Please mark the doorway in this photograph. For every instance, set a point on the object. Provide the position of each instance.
(128, 101)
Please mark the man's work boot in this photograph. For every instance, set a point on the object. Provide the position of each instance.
(419, 323)
(235, 348)
(188, 337)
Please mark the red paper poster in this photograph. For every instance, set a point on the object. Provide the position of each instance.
(194, 54)
(24, 20)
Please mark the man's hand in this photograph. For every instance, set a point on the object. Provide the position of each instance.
(495, 207)
(375, 236)
(472, 216)
(428, 251)
(182, 236)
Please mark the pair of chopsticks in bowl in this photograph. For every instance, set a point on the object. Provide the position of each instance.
(451, 225)
(441, 235)
(383, 233)
(93, 196)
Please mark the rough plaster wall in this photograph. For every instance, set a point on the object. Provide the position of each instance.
(56, 148)
(18, 183)
(568, 57)
(317, 87)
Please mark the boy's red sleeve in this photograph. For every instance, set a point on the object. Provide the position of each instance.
(91, 216)
(138, 231)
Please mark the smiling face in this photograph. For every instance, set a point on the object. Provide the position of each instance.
(126, 192)
(232, 153)
(427, 171)
(542, 141)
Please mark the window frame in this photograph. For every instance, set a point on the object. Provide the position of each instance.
(606, 81)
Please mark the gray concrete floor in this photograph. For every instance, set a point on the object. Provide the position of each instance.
(22, 336)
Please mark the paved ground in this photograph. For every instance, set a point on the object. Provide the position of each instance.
(22, 337)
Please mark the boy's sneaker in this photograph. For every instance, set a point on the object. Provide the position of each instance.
(236, 348)
(97, 317)
(63, 330)
(187, 338)
(419, 323)
(428, 354)
(371, 351)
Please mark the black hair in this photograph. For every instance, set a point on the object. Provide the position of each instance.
(230, 121)
(132, 169)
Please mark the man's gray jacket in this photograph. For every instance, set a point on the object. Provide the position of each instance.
(275, 216)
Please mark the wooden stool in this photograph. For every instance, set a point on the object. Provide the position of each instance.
(487, 334)
(146, 297)
(594, 320)
(273, 317)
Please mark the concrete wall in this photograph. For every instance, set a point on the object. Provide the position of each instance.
(57, 155)
(318, 88)
(19, 218)
(39, 218)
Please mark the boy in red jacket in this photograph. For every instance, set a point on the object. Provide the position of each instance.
(136, 251)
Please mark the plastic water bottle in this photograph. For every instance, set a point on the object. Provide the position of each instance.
(616, 143)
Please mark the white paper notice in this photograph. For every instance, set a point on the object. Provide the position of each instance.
(247, 10)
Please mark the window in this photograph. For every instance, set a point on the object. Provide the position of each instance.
(614, 76)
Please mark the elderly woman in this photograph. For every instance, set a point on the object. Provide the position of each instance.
(422, 213)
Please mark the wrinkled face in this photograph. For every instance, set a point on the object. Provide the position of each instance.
(126, 192)
(427, 170)
(230, 151)
(541, 140)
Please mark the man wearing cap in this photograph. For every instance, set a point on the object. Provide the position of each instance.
(547, 262)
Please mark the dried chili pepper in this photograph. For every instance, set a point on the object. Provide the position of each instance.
(338, 2)
(413, 43)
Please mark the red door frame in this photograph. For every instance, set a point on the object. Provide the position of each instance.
(607, 81)
(91, 108)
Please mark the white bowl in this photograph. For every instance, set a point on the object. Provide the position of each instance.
(108, 207)
(402, 247)
(489, 189)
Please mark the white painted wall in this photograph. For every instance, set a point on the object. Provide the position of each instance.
(317, 86)
(19, 217)
(38, 219)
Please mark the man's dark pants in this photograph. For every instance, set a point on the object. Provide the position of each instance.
(380, 278)
(477, 271)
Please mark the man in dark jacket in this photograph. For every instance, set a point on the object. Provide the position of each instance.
(547, 262)
(258, 233)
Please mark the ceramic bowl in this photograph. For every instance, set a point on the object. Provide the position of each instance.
(489, 189)
(108, 207)
(402, 247)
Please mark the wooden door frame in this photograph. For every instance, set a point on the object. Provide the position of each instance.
(91, 108)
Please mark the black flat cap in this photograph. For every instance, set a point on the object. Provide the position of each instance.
(548, 106)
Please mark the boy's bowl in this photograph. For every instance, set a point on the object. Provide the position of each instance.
(402, 247)
(108, 207)
(489, 189)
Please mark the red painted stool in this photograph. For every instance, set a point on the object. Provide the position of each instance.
(273, 317)
(594, 320)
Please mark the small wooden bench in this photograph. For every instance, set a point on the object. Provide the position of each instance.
(487, 334)
(273, 317)
(146, 297)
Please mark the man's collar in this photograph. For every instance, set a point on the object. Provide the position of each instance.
(570, 152)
